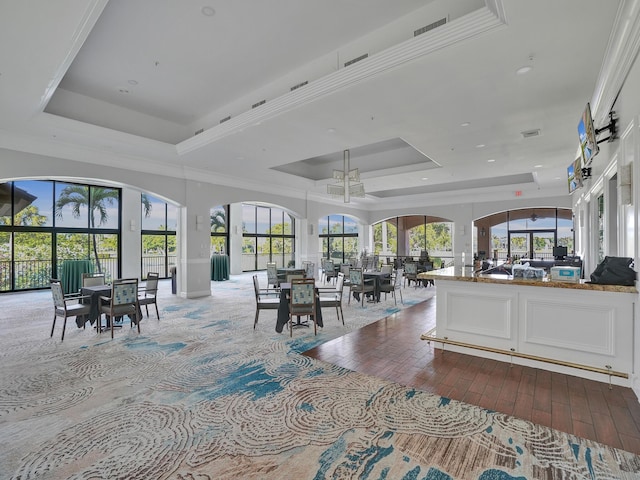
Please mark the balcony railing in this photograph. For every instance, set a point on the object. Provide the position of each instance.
(33, 274)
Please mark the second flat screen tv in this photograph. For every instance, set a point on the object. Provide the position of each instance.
(587, 135)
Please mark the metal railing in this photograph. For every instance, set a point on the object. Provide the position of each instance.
(33, 274)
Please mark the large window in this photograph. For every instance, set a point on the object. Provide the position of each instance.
(159, 224)
(268, 236)
(44, 223)
(529, 233)
(338, 238)
(219, 217)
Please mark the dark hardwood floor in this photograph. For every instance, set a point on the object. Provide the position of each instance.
(391, 349)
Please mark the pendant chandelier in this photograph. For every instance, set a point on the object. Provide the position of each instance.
(347, 181)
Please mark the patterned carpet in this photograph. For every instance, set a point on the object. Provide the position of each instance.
(200, 395)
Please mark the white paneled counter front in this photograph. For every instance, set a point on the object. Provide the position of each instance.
(569, 325)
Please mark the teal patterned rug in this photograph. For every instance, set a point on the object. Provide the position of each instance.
(200, 395)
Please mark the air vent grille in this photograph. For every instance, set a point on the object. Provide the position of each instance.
(530, 133)
(357, 59)
(198, 132)
(431, 26)
(295, 87)
(261, 102)
(226, 119)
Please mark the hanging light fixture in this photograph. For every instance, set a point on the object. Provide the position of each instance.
(347, 181)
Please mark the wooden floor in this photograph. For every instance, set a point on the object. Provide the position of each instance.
(391, 349)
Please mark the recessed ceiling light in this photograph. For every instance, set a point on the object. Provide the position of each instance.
(524, 70)
(480, 145)
(537, 166)
(465, 124)
(331, 130)
(491, 160)
(132, 82)
(208, 11)
(424, 178)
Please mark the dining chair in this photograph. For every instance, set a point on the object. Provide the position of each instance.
(266, 298)
(328, 270)
(272, 274)
(302, 301)
(411, 273)
(148, 295)
(63, 306)
(309, 269)
(344, 269)
(93, 279)
(123, 301)
(359, 284)
(386, 269)
(332, 297)
(395, 285)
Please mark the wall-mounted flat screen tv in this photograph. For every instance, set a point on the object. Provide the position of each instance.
(574, 175)
(587, 135)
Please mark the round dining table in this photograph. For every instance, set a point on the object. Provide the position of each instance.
(71, 274)
(219, 267)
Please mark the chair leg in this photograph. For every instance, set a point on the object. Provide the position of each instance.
(401, 300)
(341, 314)
(54, 324)
(64, 327)
(291, 325)
(255, 322)
(138, 317)
(157, 312)
(147, 308)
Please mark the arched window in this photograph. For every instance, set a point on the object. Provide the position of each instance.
(338, 238)
(159, 225)
(268, 236)
(43, 223)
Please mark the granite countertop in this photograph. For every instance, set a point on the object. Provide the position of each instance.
(467, 274)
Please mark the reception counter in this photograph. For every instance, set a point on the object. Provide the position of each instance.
(573, 328)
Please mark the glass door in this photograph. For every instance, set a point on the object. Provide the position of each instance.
(520, 245)
(543, 243)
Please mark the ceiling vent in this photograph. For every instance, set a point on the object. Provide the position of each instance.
(530, 133)
(261, 102)
(429, 27)
(226, 119)
(295, 87)
(198, 132)
(357, 59)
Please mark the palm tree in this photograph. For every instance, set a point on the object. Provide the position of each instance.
(95, 200)
(218, 221)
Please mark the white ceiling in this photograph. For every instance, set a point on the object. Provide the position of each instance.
(439, 115)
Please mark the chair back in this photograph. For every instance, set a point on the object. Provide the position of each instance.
(124, 291)
(344, 269)
(57, 294)
(386, 269)
(93, 279)
(309, 268)
(355, 276)
(411, 268)
(397, 282)
(152, 283)
(272, 273)
(303, 296)
(340, 284)
(256, 286)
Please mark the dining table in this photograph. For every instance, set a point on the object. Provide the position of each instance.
(71, 274)
(283, 272)
(283, 309)
(93, 295)
(378, 278)
(219, 267)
